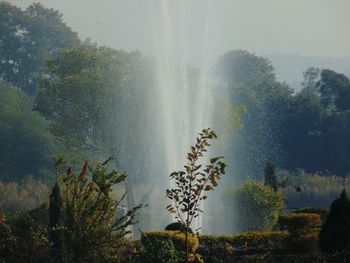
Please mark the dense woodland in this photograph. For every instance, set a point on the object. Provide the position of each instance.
(64, 96)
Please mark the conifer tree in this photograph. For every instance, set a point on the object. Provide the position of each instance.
(270, 178)
(335, 234)
(55, 237)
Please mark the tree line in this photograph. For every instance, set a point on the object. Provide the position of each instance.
(60, 94)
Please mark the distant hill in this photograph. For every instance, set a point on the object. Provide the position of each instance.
(289, 68)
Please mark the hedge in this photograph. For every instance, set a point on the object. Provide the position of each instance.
(314, 210)
(299, 222)
(168, 247)
(245, 241)
(225, 248)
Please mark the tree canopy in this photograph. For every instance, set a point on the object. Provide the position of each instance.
(26, 146)
(27, 38)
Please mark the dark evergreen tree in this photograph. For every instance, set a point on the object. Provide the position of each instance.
(335, 234)
(270, 178)
(55, 237)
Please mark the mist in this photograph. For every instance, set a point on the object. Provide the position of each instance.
(243, 103)
(308, 28)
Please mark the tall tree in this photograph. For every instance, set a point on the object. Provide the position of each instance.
(251, 84)
(55, 231)
(270, 178)
(95, 104)
(335, 90)
(27, 38)
(26, 146)
(335, 234)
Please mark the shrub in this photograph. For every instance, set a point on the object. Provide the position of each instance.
(128, 251)
(215, 248)
(168, 247)
(314, 210)
(20, 197)
(256, 206)
(89, 223)
(230, 247)
(225, 248)
(317, 190)
(302, 243)
(335, 233)
(177, 226)
(23, 237)
(303, 222)
(260, 240)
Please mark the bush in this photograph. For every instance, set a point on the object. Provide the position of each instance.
(317, 190)
(231, 247)
(23, 237)
(87, 216)
(177, 226)
(299, 222)
(314, 210)
(260, 240)
(227, 248)
(256, 206)
(128, 251)
(168, 247)
(216, 248)
(335, 233)
(22, 197)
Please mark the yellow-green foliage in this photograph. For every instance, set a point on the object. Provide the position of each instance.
(314, 210)
(260, 239)
(299, 222)
(317, 190)
(177, 237)
(256, 240)
(15, 197)
(168, 247)
(225, 248)
(256, 206)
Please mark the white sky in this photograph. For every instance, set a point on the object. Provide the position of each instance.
(304, 27)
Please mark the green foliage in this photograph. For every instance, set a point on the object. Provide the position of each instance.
(255, 205)
(27, 38)
(55, 236)
(317, 190)
(240, 247)
(251, 84)
(177, 226)
(323, 212)
(192, 183)
(335, 233)
(83, 95)
(95, 106)
(291, 127)
(90, 225)
(224, 248)
(168, 246)
(26, 146)
(319, 120)
(21, 197)
(335, 90)
(270, 178)
(299, 222)
(23, 237)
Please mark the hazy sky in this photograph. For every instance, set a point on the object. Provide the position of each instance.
(305, 27)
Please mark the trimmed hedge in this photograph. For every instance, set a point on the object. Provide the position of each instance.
(226, 248)
(244, 242)
(168, 247)
(299, 222)
(314, 210)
